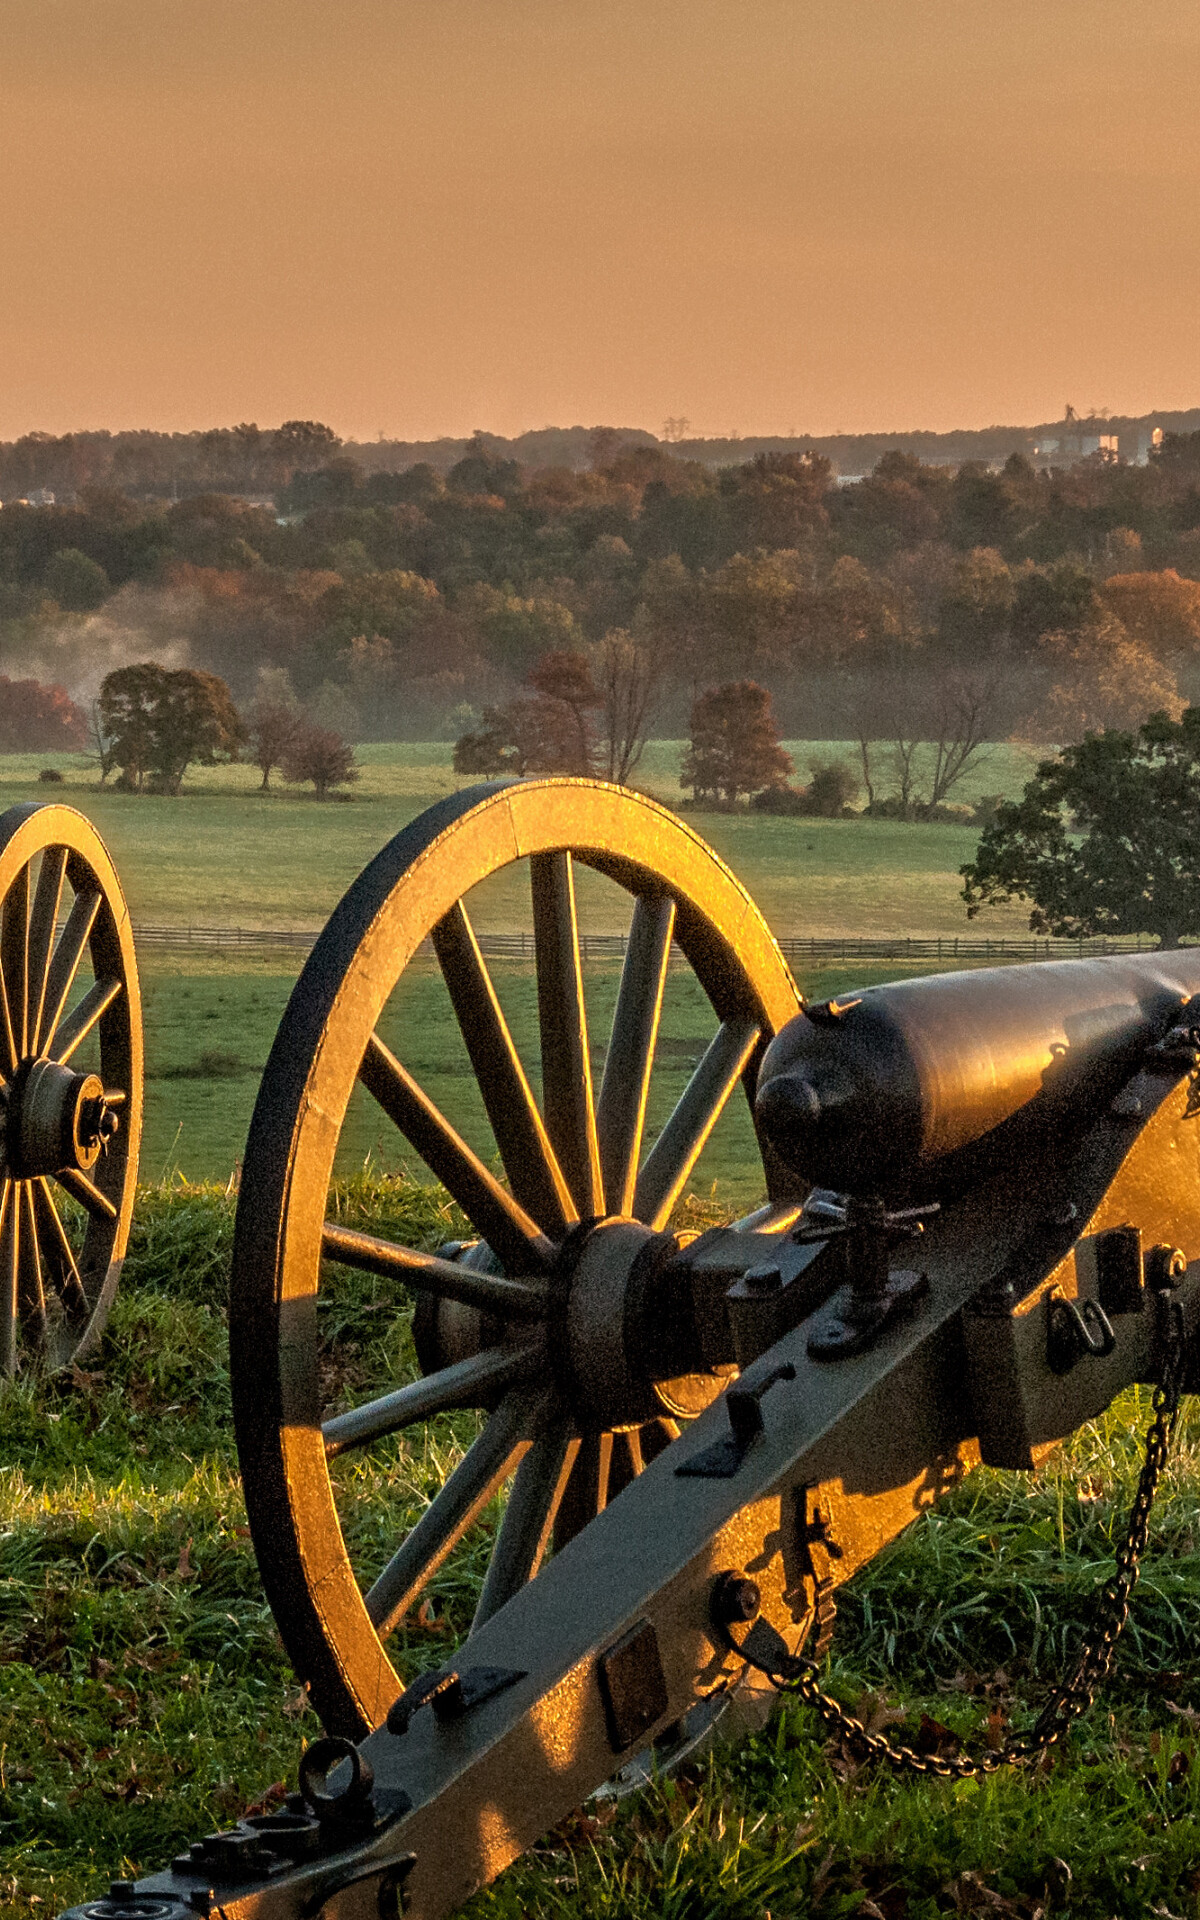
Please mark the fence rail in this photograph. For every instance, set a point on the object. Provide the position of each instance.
(602, 946)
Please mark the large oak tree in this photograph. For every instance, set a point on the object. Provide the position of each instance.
(1105, 838)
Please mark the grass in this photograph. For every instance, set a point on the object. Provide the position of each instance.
(209, 1028)
(225, 855)
(144, 1697)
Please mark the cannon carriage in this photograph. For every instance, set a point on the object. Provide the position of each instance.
(980, 1220)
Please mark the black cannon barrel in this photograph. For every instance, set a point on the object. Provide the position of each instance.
(927, 1082)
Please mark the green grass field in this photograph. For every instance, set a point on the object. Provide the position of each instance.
(144, 1698)
(210, 1025)
(224, 855)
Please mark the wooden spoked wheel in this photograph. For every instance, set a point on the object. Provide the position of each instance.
(71, 1092)
(530, 1324)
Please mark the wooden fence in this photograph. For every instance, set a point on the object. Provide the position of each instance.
(611, 946)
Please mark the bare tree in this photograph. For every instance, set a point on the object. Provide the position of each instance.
(628, 678)
(962, 712)
(925, 730)
(274, 725)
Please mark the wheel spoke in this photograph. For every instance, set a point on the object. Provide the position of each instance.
(515, 1299)
(468, 1383)
(524, 1535)
(529, 1159)
(10, 1252)
(562, 1019)
(65, 962)
(681, 1142)
(78, 1024)
(621, 1111)
(43, 919)
(586, 1491)
(14, 960)
(58, 1250)
(507, 1228)
(464, 1496)
(31, 1288)
(87, 1193)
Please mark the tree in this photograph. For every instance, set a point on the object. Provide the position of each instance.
(78, 583)
(1158, 609)
(1061, 601)
(927, 730)
(319, 755)
(273, 719)
(1104, 838)
(566, 676)
(35, 718)
(628, 677)
(1099, 678)
(734, 747)
(531, 735)
(157, 721)
(487, 749)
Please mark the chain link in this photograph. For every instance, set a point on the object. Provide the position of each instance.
(1094, 1662)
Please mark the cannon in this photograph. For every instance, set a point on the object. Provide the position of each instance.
(70, 1085)
(980, 1222)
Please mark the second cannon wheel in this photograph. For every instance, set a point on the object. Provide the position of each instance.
(70, 1085)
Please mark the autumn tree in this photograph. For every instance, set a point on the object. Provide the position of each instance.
(1104, 839)
(534, 734)
(35, 718)
(565, 676)
(1159, 610)
(273, 719)
(1102, 677)
(734, 746)
(319, 755)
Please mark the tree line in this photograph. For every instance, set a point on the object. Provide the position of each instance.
(922, 601)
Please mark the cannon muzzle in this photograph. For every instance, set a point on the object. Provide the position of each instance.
(925, 1084)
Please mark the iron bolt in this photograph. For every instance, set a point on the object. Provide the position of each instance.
(1165, 1267)
(736, 1599)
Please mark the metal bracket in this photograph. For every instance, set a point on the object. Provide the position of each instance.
(856, 1318)
(450, 1693)
(1075, 1328)
(741, 1402)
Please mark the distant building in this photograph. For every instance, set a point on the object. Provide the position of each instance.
(1093, 439)
(37, 497)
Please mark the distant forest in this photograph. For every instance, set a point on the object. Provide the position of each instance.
(400, 600)
(252, 459)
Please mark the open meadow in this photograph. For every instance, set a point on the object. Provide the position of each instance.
(222, 854)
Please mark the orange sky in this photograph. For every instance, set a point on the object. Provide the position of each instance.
(422, 216)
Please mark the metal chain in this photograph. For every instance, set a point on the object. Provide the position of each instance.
(1075, 1695)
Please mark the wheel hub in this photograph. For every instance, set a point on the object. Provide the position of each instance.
(57, 1120)
(622, 1338)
